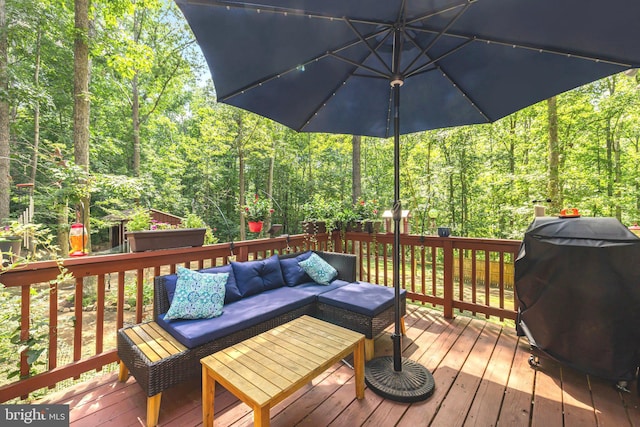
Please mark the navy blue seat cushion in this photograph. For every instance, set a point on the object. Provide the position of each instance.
(231, 289)
(237, 316)
(313, 288)
(361, 297)
(257, 276)
(294, 274)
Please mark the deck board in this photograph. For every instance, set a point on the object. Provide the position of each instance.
(547, 399)
(482, 376)
(485, 407)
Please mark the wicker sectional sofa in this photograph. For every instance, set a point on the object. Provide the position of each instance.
(260, 295)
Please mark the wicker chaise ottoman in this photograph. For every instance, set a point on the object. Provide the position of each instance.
(362, 307)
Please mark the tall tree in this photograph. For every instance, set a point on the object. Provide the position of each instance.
(36, 106)
(356, 174)
(81, 98)
(5, 151)
(554, 155)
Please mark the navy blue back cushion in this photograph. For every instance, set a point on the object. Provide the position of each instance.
(253, 277)
(294, 274)
(232, 293)
(170, 281)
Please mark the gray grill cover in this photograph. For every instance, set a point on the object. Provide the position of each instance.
(578, 289)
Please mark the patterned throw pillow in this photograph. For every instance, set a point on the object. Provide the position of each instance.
(198, 295)
(318, 269)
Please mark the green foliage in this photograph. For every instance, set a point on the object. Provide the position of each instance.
(194, 221)
(317, 209)
(139, 220)
(481, 180)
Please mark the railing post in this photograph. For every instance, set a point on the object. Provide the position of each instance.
(25, 322)
(242, 254)
(337, 242)
(447, 248)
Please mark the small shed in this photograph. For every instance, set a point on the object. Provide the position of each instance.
(116, 232)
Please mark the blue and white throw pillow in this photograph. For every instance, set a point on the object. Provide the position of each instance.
(318, 269)
(198, 295)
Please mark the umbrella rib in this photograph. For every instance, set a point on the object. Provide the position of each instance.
(423, 67)
(317, 58)
(320, 106)
(358, 64)
(517, 45)
(463, 93)
(566, 53)
(464, 4)
(436, 38)
(279, 10)
(333, 54)
(366, 43)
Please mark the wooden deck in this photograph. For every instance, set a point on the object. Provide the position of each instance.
(482, 378)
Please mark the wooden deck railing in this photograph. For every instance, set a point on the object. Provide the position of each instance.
(475, 275)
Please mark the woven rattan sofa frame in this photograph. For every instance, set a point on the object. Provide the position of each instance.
(155, 377)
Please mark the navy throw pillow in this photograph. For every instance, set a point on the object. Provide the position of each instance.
(232, 293)
(253, 277)
(294, 274)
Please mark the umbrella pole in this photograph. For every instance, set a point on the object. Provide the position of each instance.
(397, 378)
(397, 217)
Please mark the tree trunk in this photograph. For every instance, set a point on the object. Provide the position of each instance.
(554, 156)
(135, 96)
(36, 113)
(356, 172)
(81, 99)
(5, 151)
(272, 165)
(618, 178)
(135, 118)
(241, 195)
(62, 214)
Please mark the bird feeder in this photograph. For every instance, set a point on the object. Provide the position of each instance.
(404, 222)
(78, 238)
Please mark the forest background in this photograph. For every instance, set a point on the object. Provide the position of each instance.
(110, 103)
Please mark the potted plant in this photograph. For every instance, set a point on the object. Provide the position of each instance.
(11, 236)
(317, 214)
(366, 214)
(345, 218)
(256, 211)
(144, 234)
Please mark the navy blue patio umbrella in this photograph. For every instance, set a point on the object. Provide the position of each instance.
(337, 66)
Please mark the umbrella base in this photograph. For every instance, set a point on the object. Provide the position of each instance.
(411, 384)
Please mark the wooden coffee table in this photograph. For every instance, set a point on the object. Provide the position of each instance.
(263, 370)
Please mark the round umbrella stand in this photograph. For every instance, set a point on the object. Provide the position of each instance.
(412, 383)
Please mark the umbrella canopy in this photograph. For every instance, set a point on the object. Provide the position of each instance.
(325, 65)
(337, 66)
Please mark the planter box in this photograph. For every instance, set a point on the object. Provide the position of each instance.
(372, 226)
(314, 227)
(368, 226)
(149, 240)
